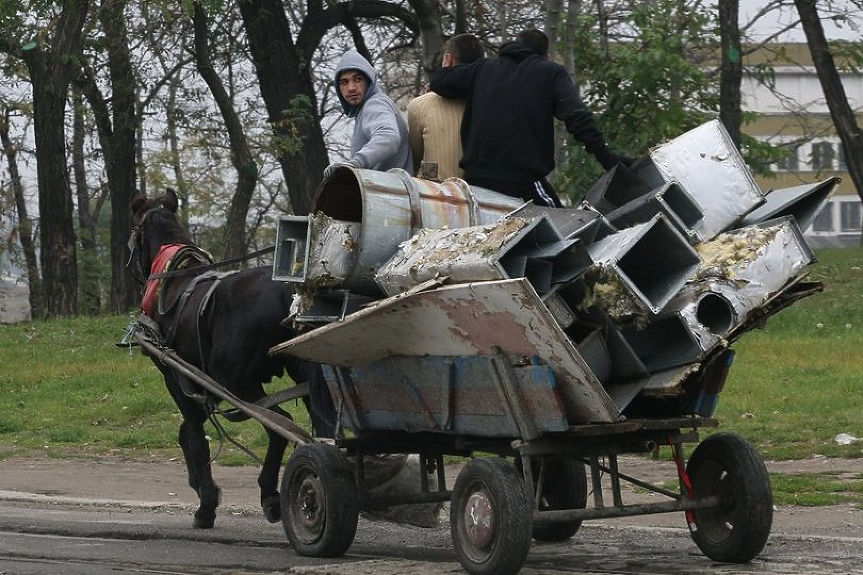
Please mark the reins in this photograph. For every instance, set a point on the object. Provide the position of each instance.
(215, 265)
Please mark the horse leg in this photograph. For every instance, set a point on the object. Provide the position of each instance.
(268, 479)
(196, 453)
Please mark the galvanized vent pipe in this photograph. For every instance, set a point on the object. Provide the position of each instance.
(392, 206)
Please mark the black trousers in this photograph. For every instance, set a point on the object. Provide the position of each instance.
(540, 191)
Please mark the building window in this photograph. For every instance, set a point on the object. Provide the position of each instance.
(822, 156)
(823, 222)
(791, 162)
(849, 216)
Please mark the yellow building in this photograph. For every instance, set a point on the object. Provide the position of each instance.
(793, 114)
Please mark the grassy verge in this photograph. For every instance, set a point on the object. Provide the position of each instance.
(67, 391)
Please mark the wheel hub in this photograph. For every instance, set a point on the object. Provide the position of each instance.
(479, 519)
(310, 504)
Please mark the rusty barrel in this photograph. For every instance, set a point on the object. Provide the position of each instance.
(390, 207)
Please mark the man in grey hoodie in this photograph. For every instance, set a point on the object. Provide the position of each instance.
(380, 138)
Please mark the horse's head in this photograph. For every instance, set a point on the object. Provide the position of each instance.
(154, 224)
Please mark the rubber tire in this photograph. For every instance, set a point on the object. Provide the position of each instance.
(726, 465)
(497, 482)
(565, 487)
(320, 504)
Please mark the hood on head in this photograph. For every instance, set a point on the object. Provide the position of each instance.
(352, 60)
(516, 51)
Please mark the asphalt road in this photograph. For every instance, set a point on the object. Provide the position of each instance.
(71, 517)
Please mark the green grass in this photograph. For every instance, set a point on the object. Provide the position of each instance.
(797, 383)
(67, 391)
(813, 489)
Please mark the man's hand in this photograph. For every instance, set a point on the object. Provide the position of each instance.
(609, 159)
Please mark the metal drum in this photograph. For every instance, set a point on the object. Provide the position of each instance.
(390, 207)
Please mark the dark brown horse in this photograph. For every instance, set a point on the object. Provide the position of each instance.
(221, 323)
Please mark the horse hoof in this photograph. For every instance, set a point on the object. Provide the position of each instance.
(204, 520)
(272, 509)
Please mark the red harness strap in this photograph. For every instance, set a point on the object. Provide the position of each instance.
(154, 286)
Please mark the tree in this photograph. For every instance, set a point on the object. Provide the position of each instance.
(50, 65)
(640, 80)
(283, 66)
(25, 223)
(731, 69)
(241, 155)
(88, 215)
(837, 102)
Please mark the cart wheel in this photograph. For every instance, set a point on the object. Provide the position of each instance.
(727, 466)
(320, 506)
(564, 487)
(490, 517)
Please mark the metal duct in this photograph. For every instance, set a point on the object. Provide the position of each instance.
(671, 201)
(706, 164)
(292, 255)
(651, 261)
(390, 207)
(616, 188)
(803, 202)
(513, 247)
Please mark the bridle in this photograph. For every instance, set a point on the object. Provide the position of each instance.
(135, 263)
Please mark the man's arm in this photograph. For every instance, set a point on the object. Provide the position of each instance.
(381, 132)
(455, 81)
(578, 120)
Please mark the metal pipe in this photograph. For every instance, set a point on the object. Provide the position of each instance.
(684, 504)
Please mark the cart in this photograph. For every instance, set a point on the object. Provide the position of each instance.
(539, 343)
(530, 474)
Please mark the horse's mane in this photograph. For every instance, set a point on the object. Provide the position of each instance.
(164, 223)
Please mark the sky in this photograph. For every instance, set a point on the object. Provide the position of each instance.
(778, 19)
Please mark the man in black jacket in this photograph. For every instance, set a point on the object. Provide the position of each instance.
(507, 131)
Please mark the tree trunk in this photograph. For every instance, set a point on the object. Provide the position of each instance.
(241, 156)
(429, 19)
(25, 224)
(731, 71)
(834, 93)
(553, 14)
(120, 155)
(283, 74)
(50, 72)
(91, 300)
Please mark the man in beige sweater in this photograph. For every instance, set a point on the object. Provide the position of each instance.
(434, 122)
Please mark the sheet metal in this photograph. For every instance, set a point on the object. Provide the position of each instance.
(707, 165)
(512, 247)
(651, 261)
(753, 263)
(571, 223)
(333, 250)
(292, 255)
(803, 202)
(616, 188)
(390, 207)
(671, 201)
(462, 320)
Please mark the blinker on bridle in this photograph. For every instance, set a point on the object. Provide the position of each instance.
(134, 244)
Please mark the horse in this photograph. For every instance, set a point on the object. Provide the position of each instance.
(222, 323)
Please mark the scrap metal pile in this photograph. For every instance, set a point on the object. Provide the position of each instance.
(624, 305)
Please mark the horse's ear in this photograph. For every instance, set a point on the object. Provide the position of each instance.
(170, 200)
(138, 201)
